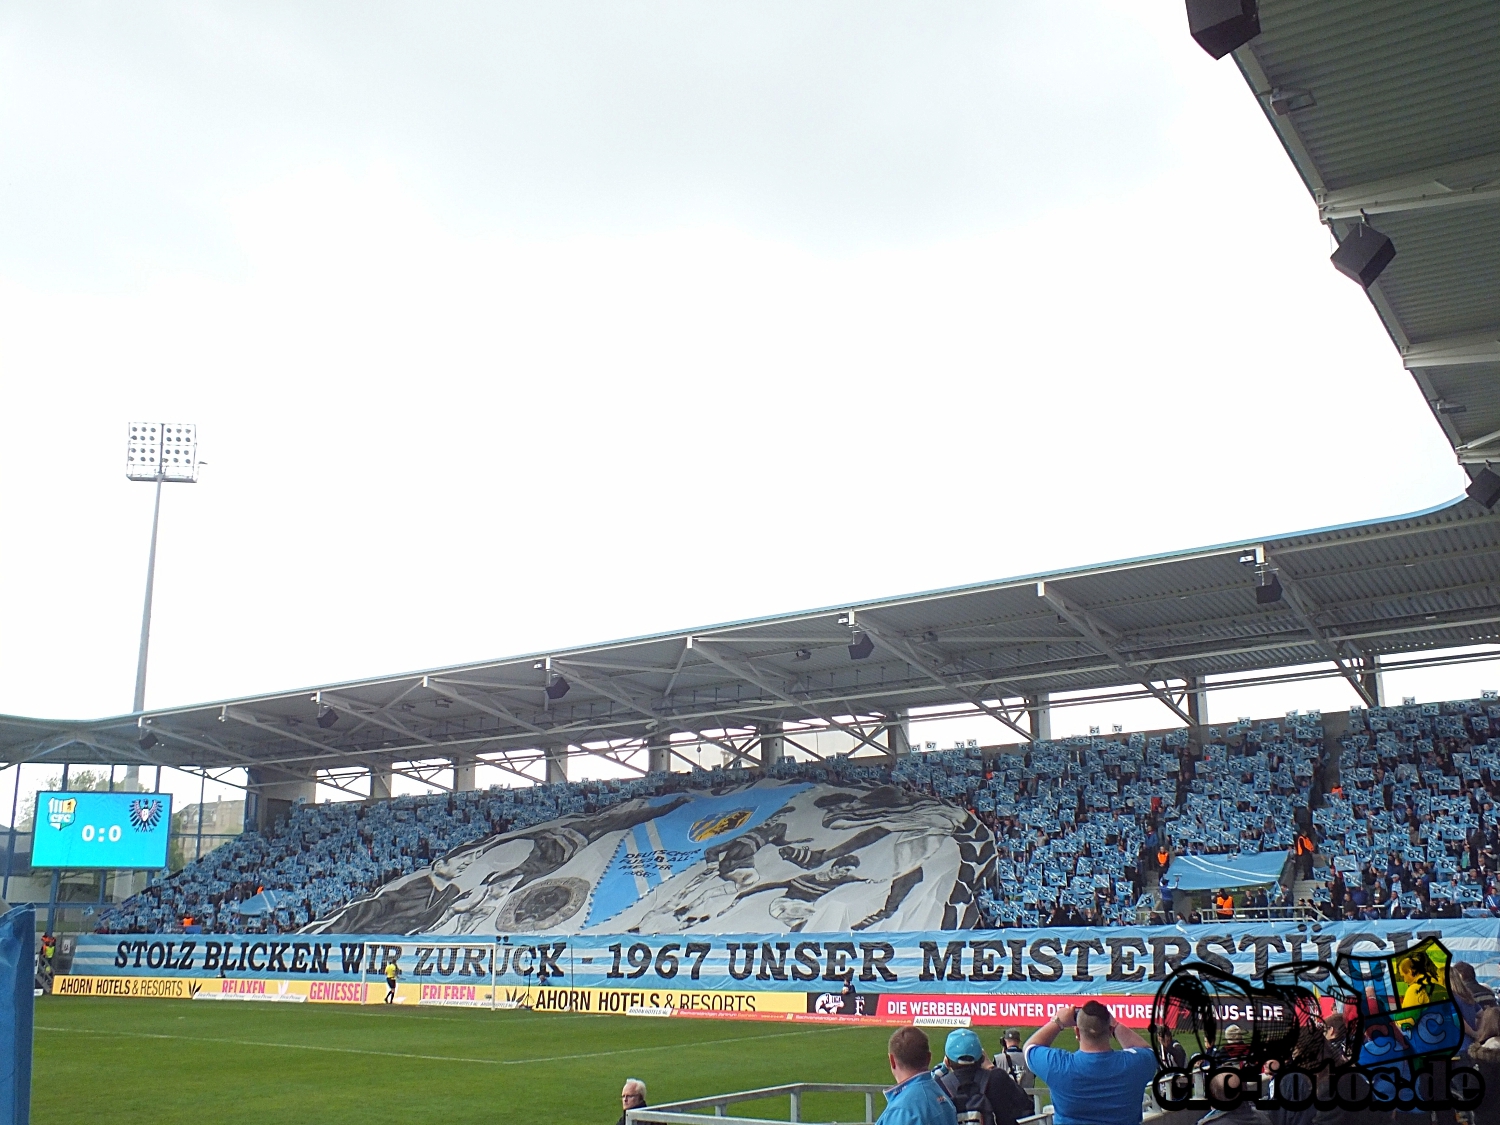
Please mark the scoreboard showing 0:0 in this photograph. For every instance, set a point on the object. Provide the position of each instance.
(126, 830)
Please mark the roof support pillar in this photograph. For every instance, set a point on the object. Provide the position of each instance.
(772, 746)
(898, 734)
(463, 773)
(1039, 716)
(1373, 679)
(380, 783)
(659, 753)
(275, 793)
(1197, 700)
(557, 764)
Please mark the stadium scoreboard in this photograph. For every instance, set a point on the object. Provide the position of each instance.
(81, 829)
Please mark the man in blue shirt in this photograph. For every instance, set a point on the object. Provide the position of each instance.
(916, 1099)
(1095, 1085)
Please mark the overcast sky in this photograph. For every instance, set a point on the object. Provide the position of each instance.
(508, 327)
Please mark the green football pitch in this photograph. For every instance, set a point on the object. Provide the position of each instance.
(168, 1061)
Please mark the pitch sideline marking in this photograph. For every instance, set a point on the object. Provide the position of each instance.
(433, 1058)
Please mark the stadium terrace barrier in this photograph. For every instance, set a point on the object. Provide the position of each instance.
(683, 1113)
(938, 978)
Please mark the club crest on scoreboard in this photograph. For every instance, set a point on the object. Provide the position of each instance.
(61, 811)
(145, 814)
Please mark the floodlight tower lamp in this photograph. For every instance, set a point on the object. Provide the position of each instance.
(161, 453)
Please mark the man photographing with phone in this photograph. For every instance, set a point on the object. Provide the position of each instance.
(1095, 1085)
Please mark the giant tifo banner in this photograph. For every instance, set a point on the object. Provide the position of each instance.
(998, 977)
(765, 856)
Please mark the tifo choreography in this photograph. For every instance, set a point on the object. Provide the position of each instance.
(764, 856)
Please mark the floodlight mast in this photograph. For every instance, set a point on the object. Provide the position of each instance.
(159, 452)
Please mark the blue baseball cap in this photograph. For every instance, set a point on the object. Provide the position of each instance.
(963, 1047)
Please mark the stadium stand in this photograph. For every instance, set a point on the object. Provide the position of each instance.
(1410, 820)
(1082, 821)
(1400, 802)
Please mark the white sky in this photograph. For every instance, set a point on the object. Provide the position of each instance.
(509, 327)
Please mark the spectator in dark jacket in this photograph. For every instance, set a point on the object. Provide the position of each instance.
(1172, 1050)
(632, 1096)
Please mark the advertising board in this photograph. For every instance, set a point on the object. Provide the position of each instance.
(1009, 977)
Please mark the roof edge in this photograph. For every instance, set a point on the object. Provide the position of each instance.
(1283, 540)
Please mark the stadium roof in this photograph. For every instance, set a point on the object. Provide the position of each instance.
(1391, 109)
(1350, 593)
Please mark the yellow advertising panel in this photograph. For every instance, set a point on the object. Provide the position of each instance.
(621, 1001)
(166, 988)
(228, 988)
(607, 1001)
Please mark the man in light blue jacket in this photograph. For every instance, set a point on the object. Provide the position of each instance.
(916, 1099)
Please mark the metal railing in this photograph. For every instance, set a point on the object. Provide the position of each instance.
(687, 1112)
(690, 1112)
(1276, 913)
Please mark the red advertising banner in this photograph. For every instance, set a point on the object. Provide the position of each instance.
(1018, 1011)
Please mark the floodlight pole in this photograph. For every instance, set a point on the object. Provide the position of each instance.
(140, 661)
(157, 452)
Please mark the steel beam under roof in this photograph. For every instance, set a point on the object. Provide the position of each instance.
(1426, 581)
(1390, 109)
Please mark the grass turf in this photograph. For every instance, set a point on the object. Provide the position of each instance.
(168, 1061)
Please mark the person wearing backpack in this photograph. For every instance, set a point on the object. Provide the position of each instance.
(982, 1093)
(1012, 1060)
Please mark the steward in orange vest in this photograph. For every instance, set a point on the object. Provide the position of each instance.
(1305, 850)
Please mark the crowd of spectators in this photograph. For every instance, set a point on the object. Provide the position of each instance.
(1411, 824)
(1085, 827)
